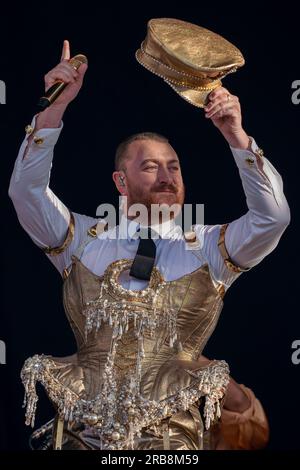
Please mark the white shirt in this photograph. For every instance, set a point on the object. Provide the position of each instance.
(248, 239)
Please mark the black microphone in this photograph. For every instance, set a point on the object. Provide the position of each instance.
(57, 88)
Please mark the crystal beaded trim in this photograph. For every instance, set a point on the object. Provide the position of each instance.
(180, 72)
(39, 369)
(118, 420)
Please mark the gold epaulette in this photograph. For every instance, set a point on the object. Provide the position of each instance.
(97, 229)
(191, 240)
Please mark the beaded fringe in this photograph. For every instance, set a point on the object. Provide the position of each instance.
(118, 431)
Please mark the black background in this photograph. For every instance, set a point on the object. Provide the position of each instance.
(260, 319)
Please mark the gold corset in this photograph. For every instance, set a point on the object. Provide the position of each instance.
(137, 360)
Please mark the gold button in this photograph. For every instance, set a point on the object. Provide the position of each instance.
(29, 129)
(190, 236)
(38, 140)
(260, 152)
(250, 161)
(92, 231)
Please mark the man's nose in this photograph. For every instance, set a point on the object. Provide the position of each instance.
(164, 176)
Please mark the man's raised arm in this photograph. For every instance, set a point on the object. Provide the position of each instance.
(44, 217)
(247, 240)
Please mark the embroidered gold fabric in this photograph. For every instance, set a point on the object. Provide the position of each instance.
(136, 372)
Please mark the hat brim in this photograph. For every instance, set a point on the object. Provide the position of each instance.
(197, 98)
(194, 96)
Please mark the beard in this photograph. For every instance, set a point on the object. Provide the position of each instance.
(159, 197)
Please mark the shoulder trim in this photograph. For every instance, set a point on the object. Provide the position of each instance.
(68, 240)
(225, 255)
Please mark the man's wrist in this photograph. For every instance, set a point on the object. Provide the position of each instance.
(239, 141)
(51, 117)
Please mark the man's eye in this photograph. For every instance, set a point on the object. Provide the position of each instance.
(174, 168)
(150, 167)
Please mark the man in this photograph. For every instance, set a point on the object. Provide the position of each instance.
(147, 172)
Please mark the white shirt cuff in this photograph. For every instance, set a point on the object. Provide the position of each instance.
(255, 161)
(247, 158)
(39, 150)
(43, 138)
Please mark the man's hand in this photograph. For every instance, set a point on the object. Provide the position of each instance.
(51, 117)
(65, 72)
(225, 112)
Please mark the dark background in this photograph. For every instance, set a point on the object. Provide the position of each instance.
(260, 319)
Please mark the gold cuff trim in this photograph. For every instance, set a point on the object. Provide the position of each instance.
(227, 260)
(70, 235)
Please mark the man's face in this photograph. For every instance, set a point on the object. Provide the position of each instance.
(153, 174)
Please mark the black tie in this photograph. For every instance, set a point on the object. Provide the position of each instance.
(143, 262)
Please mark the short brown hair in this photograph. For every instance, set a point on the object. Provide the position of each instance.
(121, 155)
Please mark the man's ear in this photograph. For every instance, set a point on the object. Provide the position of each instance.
(120, 181)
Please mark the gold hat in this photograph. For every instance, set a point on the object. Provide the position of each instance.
(191, 59)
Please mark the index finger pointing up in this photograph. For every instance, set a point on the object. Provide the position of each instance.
(65, 55)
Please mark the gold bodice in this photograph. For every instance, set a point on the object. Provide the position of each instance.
(137, 359)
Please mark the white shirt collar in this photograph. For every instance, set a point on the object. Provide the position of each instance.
(128, 229)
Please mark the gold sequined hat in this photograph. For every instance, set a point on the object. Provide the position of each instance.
(191, 59)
